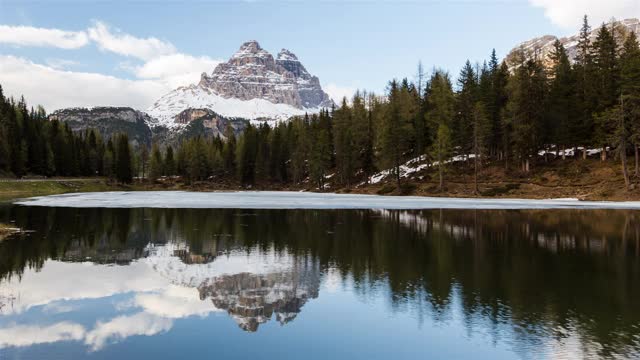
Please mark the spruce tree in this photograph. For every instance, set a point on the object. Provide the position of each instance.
(124, 171)
(343, 141)
(586, 90)
(467, 97)
(630, 91)
(562, 103)
(169, 162)
(440, 115)
(156, 163)
(481, 139)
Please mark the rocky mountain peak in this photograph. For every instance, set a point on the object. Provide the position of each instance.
(253, 85)
(252, 73)
(251, 46)
(251, 52)
(286, 55)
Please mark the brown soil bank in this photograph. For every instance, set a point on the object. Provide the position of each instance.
(589, 179)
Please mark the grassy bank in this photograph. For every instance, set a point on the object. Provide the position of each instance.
(15, 189)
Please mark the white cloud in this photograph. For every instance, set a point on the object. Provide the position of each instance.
(176, 69)
(27, 335)
(122, 327)
(34, 36)
(128, 45)
(568, 13)
(55, 89)
(163, 68)
(337, 92)
(174, 302)
(82, 281)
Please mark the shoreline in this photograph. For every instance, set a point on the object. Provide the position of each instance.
(590, 180)
(303, 200)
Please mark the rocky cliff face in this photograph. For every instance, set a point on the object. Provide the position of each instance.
(142, 129)
(109, 121)
(543, 46)
(204, 122)
(252, 85)
(253, 73)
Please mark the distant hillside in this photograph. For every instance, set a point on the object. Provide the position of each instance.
(543, 46)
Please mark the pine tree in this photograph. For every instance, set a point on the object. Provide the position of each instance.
(396, 128)
(525, 110)
(110, 160)
(144, 160)
(630, 90)
(169, 162)
(321, 149)
(343, 141)
(467, 97)
(440, 115)
(229, 150)
(124, 173)
(586, 90)
(247, 151)
(301, 143)
(562, 101)
(614, 120)
(156, 164)
(481, 139)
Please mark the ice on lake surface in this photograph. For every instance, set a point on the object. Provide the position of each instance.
(300, 200)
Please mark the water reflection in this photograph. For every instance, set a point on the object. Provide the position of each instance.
(551, 282)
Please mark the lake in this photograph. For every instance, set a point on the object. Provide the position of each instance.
(133, 282)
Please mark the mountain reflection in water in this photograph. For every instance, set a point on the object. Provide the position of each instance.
(540, 282)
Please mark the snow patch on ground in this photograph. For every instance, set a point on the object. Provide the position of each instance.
(420, 163)
(413, 166)
(298, 200)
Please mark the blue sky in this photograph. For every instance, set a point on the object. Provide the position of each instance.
(142, 49)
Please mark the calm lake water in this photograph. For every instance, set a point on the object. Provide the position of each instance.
(319, 284)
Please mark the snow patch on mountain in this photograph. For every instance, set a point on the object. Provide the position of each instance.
(166, 108)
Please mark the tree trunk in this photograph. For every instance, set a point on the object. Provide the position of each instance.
(398, 171)
(623, 158)
(623, 145)
(526, 165)
(584, 153)
(546, 155)
(475, 174)
(506, 161)
(440, 173)
(637, 161)
(564, 152)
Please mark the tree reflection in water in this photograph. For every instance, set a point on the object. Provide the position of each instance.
(566, 275)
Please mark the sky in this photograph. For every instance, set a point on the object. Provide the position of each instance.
(129, 53)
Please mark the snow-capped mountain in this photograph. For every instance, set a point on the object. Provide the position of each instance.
(251, 85)
(543, 46)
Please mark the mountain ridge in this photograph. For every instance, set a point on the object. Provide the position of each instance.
(542, 46)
